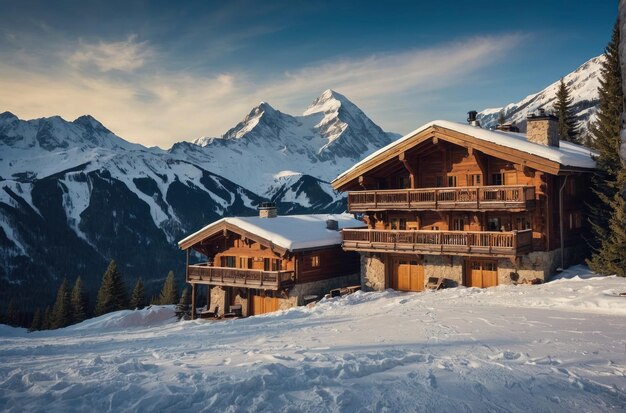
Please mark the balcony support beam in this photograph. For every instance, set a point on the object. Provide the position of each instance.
(407, 165)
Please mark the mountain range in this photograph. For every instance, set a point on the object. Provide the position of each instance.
(73, 195)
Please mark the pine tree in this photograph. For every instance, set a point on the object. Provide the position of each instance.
(138, 299)
(169, 292)
(45, 321)
(78, 302)
(183, 308)
(605, 181)
(568, 126)
(10, 317)
(37, 321)
(112, 294)
(62, 309)
(501, 117)
(611, 258)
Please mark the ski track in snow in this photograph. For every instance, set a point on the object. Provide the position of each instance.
(558, 347)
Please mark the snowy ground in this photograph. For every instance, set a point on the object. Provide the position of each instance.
(555, 347)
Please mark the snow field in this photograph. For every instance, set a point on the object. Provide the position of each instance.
(557, 347)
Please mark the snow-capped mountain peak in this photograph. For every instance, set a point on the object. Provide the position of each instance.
(91, 123)
(583, 85)
(329, 101)
(7, 117)
(331, 134)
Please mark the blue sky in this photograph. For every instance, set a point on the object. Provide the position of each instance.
(160, 72)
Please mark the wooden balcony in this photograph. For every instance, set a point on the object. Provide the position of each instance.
(478, 243)
(498, 197)
(239, 277)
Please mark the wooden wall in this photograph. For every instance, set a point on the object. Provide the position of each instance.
(436, 163)
(236, 247)
(332, 262)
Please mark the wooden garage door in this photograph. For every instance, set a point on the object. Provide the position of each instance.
(408, 275)
(261, 304)
(481, 273)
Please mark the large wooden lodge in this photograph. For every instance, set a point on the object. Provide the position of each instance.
(476, 206)
(268, 262)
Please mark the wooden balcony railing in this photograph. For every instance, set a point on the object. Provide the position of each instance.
(239, 277)
(497, 197)
(481, 243)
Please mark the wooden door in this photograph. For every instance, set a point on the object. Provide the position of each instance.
(481, 273)
(490, 274)
(261, 304)
(408, 275)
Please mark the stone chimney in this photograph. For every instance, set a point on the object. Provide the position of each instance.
(472, 118)
(332, 224)
(267, 210)
(543, 128)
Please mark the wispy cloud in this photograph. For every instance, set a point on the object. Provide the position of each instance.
(382, 75)
(155, 106)
(126, 55)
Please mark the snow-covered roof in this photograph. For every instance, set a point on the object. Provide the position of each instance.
(568, 154)
(291, 232)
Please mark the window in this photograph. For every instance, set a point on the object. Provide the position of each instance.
(452, 181)
(575, 220)
(571, 187)
(439, 181)
(497, 179)
(490, 266)
(474, 180)
(394, 223)
(271, 264)
(398, 223)
(458, 224)
(245, 262)
(315, 261)
(493, 224)
(227, 261)
(404, 182)
(522, 223)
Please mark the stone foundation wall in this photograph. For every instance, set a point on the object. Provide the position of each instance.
(539, 264)
(243, 301)
(372, 272)
(448, 266)
(218, 297)
(295, 296)
(318, 288)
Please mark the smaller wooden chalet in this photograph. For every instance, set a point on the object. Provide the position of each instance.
(266, 263)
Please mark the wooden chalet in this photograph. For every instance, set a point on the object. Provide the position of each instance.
(476, 206)
(255, 265)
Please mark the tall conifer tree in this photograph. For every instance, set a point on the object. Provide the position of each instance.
(138, 298)
(61, 311)
(112, 295)
(78, 302)
(612, 255)
(10, 317)
(45, 320)
(608, 179)
(37, 321)
(169, 292)
(568, 126)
